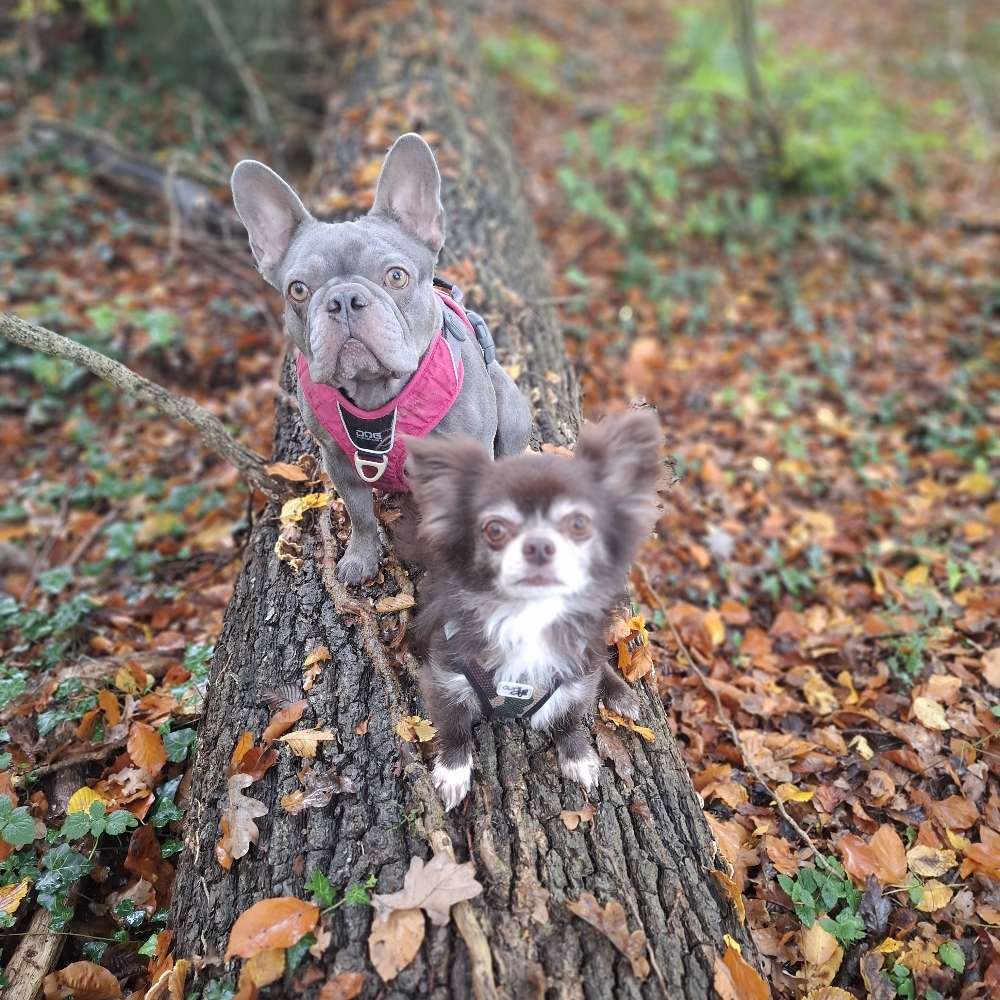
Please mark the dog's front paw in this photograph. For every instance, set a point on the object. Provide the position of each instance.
(357, 564)
(623, 701)
(452, 783)
(583, 770)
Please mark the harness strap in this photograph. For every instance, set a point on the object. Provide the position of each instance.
(510, 708)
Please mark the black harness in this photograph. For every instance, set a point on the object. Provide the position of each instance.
(506, 700)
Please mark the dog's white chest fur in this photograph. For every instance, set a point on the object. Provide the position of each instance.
(520, 632)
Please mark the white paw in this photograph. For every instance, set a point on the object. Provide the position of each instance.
(583, 770)
(452, 783)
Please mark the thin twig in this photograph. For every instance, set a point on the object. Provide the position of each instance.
(213, 432)
(728, 723)
(247, 77)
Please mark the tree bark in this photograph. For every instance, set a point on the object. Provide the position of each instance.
(648, 846)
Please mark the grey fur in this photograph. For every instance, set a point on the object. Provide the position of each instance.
(386, 331)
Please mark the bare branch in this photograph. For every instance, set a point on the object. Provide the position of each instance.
(211, 429)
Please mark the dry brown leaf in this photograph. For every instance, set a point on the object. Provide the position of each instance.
(266, 967)
(829, 993)
(611, 922)
(345, 986)
(991, 667)
(11, 895)
(285, 470)
(312, 666)
(319, 790)
(619, 720)
(822, 955)
(735, 979)
(82, 981)
(145, 747)
(394, 941)
(243, 744)
(435, 887)
(257, 761)
(278, 922)
(303, 742)
(930, 713)
(396, 602)
(573, 818)
(414, 729)
(930, 862)
(283, 720)
(241, 811)
(890, 856)
(169, 983)
(733, 891)
(936, 895)
(108, 704)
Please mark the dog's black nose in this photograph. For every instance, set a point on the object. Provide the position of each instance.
(342, 303)
(538, 551)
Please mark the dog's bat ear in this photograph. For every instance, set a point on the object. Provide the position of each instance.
(409, 191)
(443, 472)
(271, 211)
(624, 451)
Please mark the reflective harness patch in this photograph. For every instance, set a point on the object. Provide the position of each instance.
(507, 699)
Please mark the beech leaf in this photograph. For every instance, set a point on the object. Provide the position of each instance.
(145, 747)
(283, 720)
(736, 979)
(304, 742)
(82, 981)
(278, 922)
(394, 941)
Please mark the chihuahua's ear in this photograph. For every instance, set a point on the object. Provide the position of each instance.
(442, 472)
(624, 451)
(271, 211)
(409, 191)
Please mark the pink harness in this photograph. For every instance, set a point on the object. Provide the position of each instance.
(373, 438)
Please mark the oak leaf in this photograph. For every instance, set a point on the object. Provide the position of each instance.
(239, 817)
(278, 922)
(394, 941)
(283, 720)
(611, 922)
(434, 886)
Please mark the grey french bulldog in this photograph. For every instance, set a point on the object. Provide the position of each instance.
(360, 304)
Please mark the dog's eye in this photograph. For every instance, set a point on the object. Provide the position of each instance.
(396, 278)
(298, 291)
(577, 526)
(496, 532)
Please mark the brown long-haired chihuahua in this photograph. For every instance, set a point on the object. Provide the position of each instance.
(526, 557)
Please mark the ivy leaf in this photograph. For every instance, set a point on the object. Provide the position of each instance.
(64, 866)
(322, 891)
(119, 821)
(178, 745)
(952, 956)
(148, 947)
(166, 810)
(295, 954)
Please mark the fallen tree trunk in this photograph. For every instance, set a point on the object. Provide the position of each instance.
(648, 845)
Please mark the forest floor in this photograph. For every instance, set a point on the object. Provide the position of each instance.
(823, 592)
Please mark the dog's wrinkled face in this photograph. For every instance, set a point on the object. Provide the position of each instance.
(540, 526)
(359, 299)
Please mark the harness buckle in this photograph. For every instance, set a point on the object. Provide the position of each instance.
(370, 469)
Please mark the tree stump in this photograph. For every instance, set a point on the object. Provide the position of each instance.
(648, 845)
